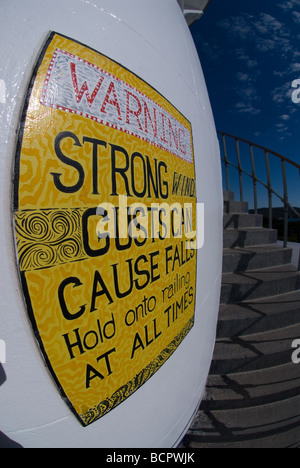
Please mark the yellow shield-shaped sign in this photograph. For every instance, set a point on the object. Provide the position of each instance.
(104, 216)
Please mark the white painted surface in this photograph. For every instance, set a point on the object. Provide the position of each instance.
(2, 92)
(152, 40)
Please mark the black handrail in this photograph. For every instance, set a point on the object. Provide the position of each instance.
(267, 184)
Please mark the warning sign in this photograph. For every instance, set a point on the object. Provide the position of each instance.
(105, 225)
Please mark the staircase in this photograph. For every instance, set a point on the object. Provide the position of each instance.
(253, 391)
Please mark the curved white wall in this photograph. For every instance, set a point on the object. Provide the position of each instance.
(152, 40)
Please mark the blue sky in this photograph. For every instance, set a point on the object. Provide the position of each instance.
(250, 54)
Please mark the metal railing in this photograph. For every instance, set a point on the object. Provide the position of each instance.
(265, 170)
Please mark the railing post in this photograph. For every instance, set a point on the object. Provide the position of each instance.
(284, 198)
(254, 180)
(269, 189)
(240, 169)
(226, 162)
(286, 208)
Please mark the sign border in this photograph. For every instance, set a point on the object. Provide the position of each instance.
(104, 407)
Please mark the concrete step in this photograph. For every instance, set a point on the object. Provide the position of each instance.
(241, 221)
(253, 352)
(255, 257)
(247, 237)
(274, 425)
(270, 313)
(283, 439)
(253, 391)
(235, 207)
(256, 284)
(260, 387)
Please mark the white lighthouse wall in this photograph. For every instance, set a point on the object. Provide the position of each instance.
(152, 40)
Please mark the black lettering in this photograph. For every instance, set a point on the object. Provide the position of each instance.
(68, 315)
(97, 293)
(139, 210)
(176, 183)
(168, 258)
(107, 361)
(120, 294)
(163, 194)
(176, 258)
(167, 312)
(90, 343)
(128, 240)
(138, 343)
(179, 305)
(152, 180)
(112, 324)
(95, 144)
(91, 374)
(143, 192)
(154, 266)
(85, 234)
(119, 170)
(162, 236)
(76, 344)
(69, 162)
(141, 272)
